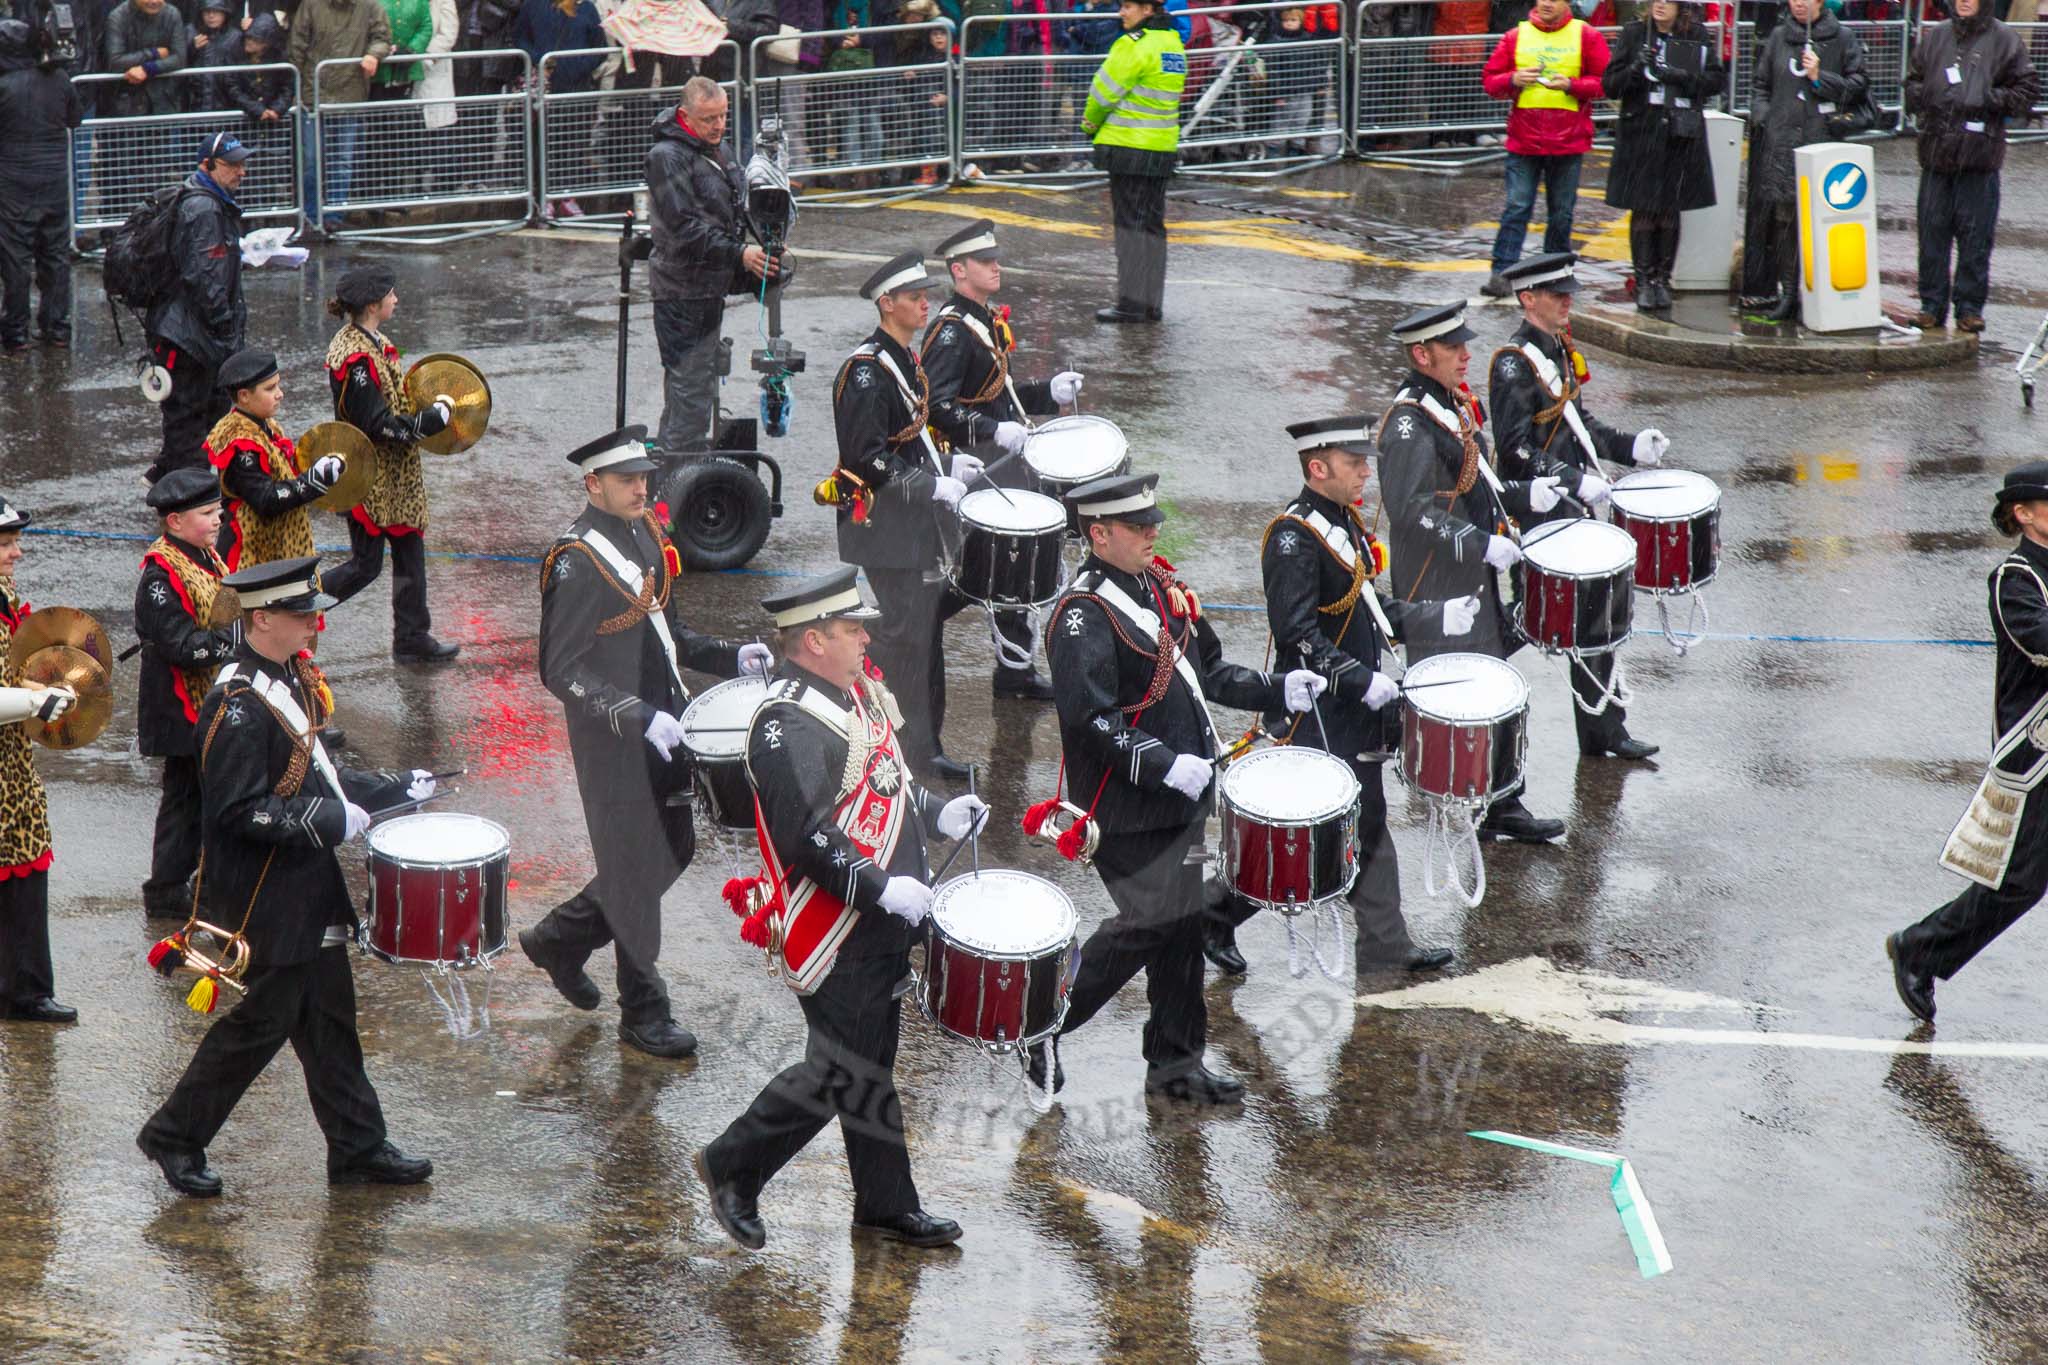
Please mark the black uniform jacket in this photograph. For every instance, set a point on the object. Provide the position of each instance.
(1436, 536)
(797, 760)
(878, 443)
(1102, 663)
(1304, 571)
(1530, 449)
(205, 315)
(272, 855)
(2019, 620)
(960, 367)
(611, 684)
(171, 640)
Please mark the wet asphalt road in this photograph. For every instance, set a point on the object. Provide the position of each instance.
(1860, 1197)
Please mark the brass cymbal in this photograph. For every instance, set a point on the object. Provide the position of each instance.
(434, 375)
(68, 666)
(62, 626)
(357, 454)
(227, 608)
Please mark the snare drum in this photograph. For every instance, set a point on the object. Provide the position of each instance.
(437, 889)
(1676, 525)
(715, 737)
(1009, 548)
(1576, 582)
(1070, 451)
(999, 958)
(1464, 726)
(1290, 828)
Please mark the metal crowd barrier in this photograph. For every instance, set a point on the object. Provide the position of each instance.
(1884, 62)
(1252, 89)
(389, 154)
(860, 122)
(119, 161)
(1020, 110)
(594, 141)
(2035, 36)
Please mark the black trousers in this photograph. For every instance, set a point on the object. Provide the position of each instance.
(686, 332)
(411, 621)
(1157, 929)
(311, 1005)
(1138, 204)
(848, 1073)
(1958, 211)
(1770, 247)
(640, 851)
(1610, 727)
(189, 412)
(26, 975)
(908, 644)
(1958, 931)
(176, 852)
(34, 247)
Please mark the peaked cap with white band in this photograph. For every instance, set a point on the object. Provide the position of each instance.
(1554, 271)
(905, 272)
(281, 585)
(1126, 497)
(833, 596)
(12, 518)
(622, 452)
(977, 240)
(1352, 434)
(1445, 324)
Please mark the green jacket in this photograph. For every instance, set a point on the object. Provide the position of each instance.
(412, 24)
(1135, 100)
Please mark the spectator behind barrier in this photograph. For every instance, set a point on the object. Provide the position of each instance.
(264, 97)
(356, 32)
(145, 40)
(923, 120)
(546, 26)
(38, 110)
(852, 115)
(214, 43)
(745, 21)
(412, 24)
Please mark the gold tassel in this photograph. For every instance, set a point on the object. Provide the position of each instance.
(203, 996)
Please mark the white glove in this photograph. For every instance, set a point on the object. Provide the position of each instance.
(1593, 490)
(422, 786)
(358, 821)
(961, 815)
(447, 407)
(1544, 494)
(1190, 776)
(1302, 688)
(756, 657)
(1010, 436)
(326, 470)
(949, 491)
(664, 732)
(1381, 690)
(1459, 615)
(908, 899)
(1066, 387)
(54, 703)
(1501, 552)
(1650, 447)
(966, 468)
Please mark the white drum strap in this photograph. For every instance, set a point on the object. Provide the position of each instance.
(1451, 837)
(1147, 622)
(1553, 382)
(1695, 623)
(1615, 693)
(630, 575)
(279, 697)
(464, 1020)
(1342, 546)
(1330, 916)
(910, 401)
(1002, 361)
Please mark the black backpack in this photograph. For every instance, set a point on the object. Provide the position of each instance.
(138, 272)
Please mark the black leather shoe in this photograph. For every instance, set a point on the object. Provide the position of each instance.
(952, 769)
(1664, 299)
(1034, 1065)
(917, 1227)
(1916, 989)
(1199, 1086)
(425, 650)
(1757, 303)
(385, 1166)
(739, 1217)
(43, 1011)
(1026, 684)
(573, 982)
(1512, 820)
(1495, 287)
(187, 1172)
(1626, 747)
(1118, 313)
(1428, 959)
(664, 1038)
(1219, 945)
(1787, 309)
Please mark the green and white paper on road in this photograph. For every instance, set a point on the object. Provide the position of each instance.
(1636, 1219)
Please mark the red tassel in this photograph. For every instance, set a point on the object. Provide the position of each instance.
(754, 928)
(1036, 816)
(1073, 841)
(166, 955)
(1159, 562)
(736, 892)
(661, 513)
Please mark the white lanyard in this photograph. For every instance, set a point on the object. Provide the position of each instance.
(1347, 554)
(973, 325)
(281, 701)
(924, 433)
(1148, 622)
(629, 574)
(1553, 382)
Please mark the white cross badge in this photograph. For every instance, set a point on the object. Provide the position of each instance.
(1405, 425)
(1074, 622)
(1287, 539)
(157, 594)
(772, 732)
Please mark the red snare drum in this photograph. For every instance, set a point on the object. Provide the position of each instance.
(999, 959)
(437, 889)
(1576, 580)
(1676, 523)
(1464, 726)
(1290, 828)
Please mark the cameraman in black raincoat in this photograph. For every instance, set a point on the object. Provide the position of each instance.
(38, 110)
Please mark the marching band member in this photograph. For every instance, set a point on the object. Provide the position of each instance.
(181, 576)
(369, 393)
(2001, 843)
(1541, 427)
(1448, 524)
(1321, 568)
(28, 983)
(276, 809)
(265, 501)
(981, 410)
(843, 826)
(1134, 666)
(612, 650)
(896, 497)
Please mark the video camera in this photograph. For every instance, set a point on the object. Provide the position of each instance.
(771, 214)
(56, 38)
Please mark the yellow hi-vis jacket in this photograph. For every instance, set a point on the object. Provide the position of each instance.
(1548, 54)
(1135, 100)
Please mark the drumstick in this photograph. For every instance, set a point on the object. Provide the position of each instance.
(408, 805)
(982, 474)
(958, 844)
(974, 826)
(1441, 682)
(1315, 704)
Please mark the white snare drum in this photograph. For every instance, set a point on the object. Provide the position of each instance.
(999, 959)
(1676, 524)
(1067, 452)
(1576, 582)
(1464, 726)
(715, 737)
(437, 889)
(1010, 545)
(1290, 828)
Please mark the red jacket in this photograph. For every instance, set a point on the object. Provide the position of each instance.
(1550, 132)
